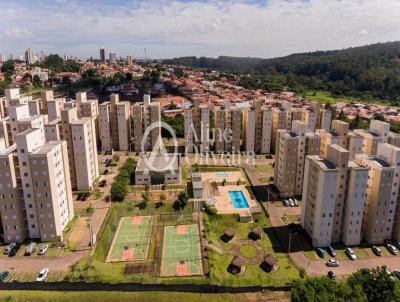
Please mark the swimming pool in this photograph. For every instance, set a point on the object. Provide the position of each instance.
(238, 200)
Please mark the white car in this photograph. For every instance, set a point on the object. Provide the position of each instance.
(291, 202)
(350, 253)
(332, 263)
(285, 202)
(43, 249)
(42, 274)
(392, 249)
(296, 203)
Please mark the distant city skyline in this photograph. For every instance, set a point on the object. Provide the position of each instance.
(255, 28)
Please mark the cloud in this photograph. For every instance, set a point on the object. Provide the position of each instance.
(211, 28)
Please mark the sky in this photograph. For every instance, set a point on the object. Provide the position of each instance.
(256, 28)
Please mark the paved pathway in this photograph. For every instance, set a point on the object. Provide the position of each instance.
(35, 264)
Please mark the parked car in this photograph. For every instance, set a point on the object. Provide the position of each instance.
(103, 183)
(9, 248)
(350, 253)
(320, 252)
(3, 276)
(43, 249)
(105, 172)
(285, 202)
(42, 274)
(332, 276)
(103, 160)
(376, 250)
(391, 248)
(291, 202)
(331, 251)
(396, 272)
(332, 262)
(296, 203)
(30, 249)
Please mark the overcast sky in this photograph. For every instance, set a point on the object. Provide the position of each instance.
(201, 28)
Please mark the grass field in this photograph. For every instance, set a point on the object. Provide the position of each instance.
(325, 97)
(103, 296)
(131, 241)
(181, 255)
(254, 275)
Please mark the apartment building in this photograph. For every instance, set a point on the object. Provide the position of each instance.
(357, 178)
(80, 135)
(328, 137)
(45, 97)
(289, 159)
(5, 131)
(394, 139)
(249, 130)
(114, 122)
(309, 117)
(228, 121)
(371, 140)
(342, 130)
(17, 113)
(339, 156)
(278, 123)
(54, 108)
(197, 128)
(380, 205)
(391, 154)
(146, 121)
(257, 128)
(324, 119)
(381, 128)
(83, 133)
(319, 198)
(37, 197)
(354, 144)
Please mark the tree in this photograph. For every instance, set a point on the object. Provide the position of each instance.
(36, 81)
(8, 66)
(181, 202)
(119, 190)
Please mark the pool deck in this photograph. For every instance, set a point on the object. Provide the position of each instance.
(218, 177)
(224, 203)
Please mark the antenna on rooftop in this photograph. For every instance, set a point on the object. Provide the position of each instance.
(145, 54)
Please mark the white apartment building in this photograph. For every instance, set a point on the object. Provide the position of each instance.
(228, 122)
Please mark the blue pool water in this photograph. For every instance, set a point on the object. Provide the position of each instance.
(238, 200)
(221, 174)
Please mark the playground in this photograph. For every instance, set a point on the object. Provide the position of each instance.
(181, 253)
(132, 239)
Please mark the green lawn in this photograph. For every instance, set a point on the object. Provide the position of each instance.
(98, 296)
(248, 251)
(253, 275)
(325, 97)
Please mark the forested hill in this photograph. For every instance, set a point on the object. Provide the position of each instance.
(371, 71)
(222, 63)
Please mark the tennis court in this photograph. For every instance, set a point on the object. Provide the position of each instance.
(132, 239)
(181, 254)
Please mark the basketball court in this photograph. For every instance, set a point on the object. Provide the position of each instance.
(132, 240)
(181, 253)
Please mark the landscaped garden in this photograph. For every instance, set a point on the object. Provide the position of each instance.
(253, 274)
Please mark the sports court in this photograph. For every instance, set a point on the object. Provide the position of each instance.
(181, 254)
(132, 239)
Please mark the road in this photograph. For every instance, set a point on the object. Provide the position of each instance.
(318, 267)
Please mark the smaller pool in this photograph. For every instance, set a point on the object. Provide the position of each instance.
(221, 174)
(238, 200)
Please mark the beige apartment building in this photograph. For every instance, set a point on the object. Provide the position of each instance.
(54, 108)
(381, 128)
(324, 119)
(393, 139)
(228, 121)
(319, 198)
(266, 133)
(309, 117)
(83, 133)
(327, 138)
(105, 126)
(36, 198)
(380, 205)
(5, 131)
(249, 129)
(146, 121)
(80, 135)
(342, 130)
(278, 123)
(354, 144)
(371, 140)
(289, 158)
(197, 128)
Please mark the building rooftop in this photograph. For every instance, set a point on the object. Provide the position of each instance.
(46, 148)
(157, 163)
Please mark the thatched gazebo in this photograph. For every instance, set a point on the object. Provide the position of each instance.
(256, 233)
(270, 263)
(228, 235)
(237, 265)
